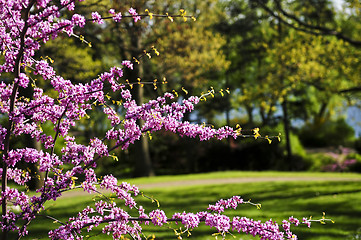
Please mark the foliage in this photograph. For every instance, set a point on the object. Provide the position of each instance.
(318, 161)
(26, 26)
(187, 156)
(274, 61)
(73, 59)
(192, 48)
(356, 165)
(339, 159)
(186, 53)
(329, 133)
(358, 145)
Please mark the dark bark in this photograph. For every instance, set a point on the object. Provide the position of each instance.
(142, 160)
(286, 125)
(263, 116)
(37, 177)
(249, 110)
(143, 163)
(17, 71)
(296, 23)
(351, 90)
(321, 113)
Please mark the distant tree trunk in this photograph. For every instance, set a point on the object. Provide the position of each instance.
(228, 102)
(320, 117)
(287, 130)
(264, 117)
(249, 110)
(189, 88)
(143, 163)
(37, 177)
(286, 123)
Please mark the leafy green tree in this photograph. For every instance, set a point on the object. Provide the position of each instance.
(281, 11)
(74, 58)
(191, 51)
(276, 65)
(332, 66)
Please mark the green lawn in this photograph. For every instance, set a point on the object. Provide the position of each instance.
(240, 174)
(339, 199)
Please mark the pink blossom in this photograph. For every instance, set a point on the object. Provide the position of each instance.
(128, 64)
(97, 18)
(158, 217)
(23, 80)
(135, 15)
(78, 19)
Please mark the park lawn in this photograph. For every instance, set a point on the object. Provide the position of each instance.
(340, 200)
(239, 174)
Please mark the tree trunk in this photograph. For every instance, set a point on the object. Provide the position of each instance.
(286, 123)
(143, 164)
(287, 130)
(264, 116)
(249, 110)
(37, 177)
(142, 160)
(228, 102)
(320, 117)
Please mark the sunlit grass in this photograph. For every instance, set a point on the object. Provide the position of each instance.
(340, 200)
(239, 174)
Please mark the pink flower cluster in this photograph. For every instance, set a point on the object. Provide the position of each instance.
(135, 15)
(221, 205)
(117, 17)
(24, 27)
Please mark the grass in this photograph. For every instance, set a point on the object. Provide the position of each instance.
(239, 174)
(339, 199)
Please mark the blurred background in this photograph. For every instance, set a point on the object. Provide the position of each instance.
(292, 67)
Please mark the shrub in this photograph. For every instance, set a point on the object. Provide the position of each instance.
(329, 133)
(338, 160)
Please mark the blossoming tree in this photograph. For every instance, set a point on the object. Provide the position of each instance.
(25, 26)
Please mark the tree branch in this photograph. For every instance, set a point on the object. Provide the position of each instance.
(305, 27)
(17, 71)
(351, 90)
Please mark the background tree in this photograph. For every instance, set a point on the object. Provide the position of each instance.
(292, 20)
(287, 71)
(200, 55)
